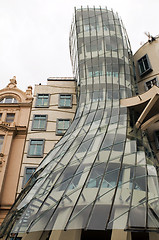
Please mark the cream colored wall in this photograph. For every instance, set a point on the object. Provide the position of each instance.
(54, 88)
(152, 50)
(13, 145)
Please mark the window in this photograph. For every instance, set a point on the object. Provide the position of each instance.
(39, 122)
(8, 100)
(157, 139)
(36, 148)
(97, 71)
(151, 83)
(144, 65)
(28, 172)
(1, 142)
(10, 117)
(62, 126)
(0, 116)
(65, 100)
(42, 100)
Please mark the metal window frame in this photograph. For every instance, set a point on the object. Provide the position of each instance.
(71, 100)
(37, 129)
(157, 82)
(147, 70)
(36, 156)
(57, 121)
(42, 106)
(25, 174)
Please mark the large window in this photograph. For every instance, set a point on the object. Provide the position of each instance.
(42, 100)
(28, 172)
(62, 126)
(144, 65)
(8, 100)
(1, 142)
(65, 100)
(39, 122)
(149, 84)
(36, 148)
(10, 117)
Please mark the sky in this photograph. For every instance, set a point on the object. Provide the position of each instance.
(34, 35)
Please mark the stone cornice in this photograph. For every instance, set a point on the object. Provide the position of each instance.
(7, 127)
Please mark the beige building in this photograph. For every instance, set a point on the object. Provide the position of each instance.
(53, 109)
(147, 74)
(15, 106)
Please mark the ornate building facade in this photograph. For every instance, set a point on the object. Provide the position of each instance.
(15, 107)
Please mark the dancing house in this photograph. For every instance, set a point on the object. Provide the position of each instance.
(100, 180)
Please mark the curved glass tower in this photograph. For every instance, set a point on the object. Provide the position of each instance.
(101, 175)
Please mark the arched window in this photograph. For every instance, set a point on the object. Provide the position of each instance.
(8, 99)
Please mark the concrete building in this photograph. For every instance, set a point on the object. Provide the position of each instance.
(15, 107)
(52, 112)
(100, 180)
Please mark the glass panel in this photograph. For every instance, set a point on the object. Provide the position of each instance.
(39, 122)
(36, 147)
(65, 100)
(42, 100)
(10, 117)
(1, 142)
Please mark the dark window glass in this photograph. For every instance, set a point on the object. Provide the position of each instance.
(151, 83)
(39, 122)
(62, 126)
(42, 100)
(8, 100)
(10, 117)
(28, 172)
(1, 142)
(0, 116)
(36, 148)
(144, 65)
(94, 235)
(65, 100)
(139, 235)
(157, 139)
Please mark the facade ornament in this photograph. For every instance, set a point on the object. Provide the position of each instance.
(13, 83)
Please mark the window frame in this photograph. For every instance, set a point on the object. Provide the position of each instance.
(14, 100)
(71, 100)
(25, 174)
(36, 139)
(157, 83)
(42, 106)
(7, 116)
(1, 145)
(62, 119)
(41, 129)
(146, 71)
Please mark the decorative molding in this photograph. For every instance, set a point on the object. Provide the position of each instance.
(13, 83)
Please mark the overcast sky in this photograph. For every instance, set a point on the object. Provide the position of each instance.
(34, 35)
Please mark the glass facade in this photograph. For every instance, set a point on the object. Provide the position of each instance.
(101, 175)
